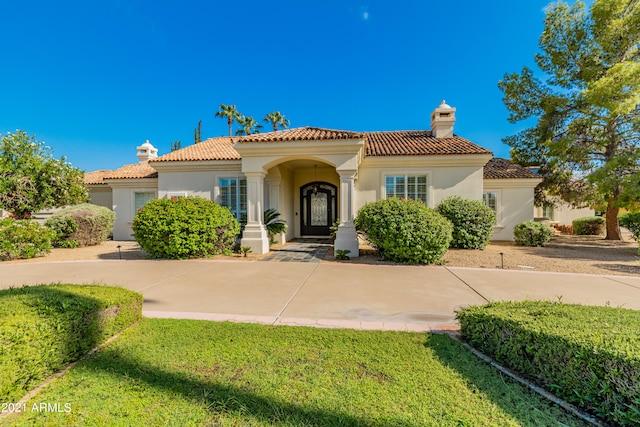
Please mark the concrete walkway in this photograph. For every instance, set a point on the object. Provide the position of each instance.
(325, 294)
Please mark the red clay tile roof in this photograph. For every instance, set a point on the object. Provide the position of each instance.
(96, 177)
(418, 143)
(220, 148)
(134, 171)
(504, 169)
(301, 134)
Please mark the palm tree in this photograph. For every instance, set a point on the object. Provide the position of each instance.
(276, 118)
(248, 125)
(230, 112)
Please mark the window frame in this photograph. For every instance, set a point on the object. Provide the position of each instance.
(135, 193)
(238, 212)
(406, 173)
(498, 210)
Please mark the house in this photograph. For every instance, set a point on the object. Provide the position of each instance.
(315, 177)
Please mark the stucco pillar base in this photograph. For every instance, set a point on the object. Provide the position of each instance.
(255, 236)
(347, 239)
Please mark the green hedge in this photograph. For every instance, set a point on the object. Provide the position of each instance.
(589, 356)
(631, 221)
(23, 239)
(589, 226)
(185, 227)
(45, 327)
(472, 220)
(81, 225)
(531, 233)
(405, 231)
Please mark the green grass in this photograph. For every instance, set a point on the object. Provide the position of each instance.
(196, 373)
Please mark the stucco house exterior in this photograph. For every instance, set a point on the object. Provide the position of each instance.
(316, 176)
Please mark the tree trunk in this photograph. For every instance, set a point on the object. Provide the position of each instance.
(230, 123)
(613, 228)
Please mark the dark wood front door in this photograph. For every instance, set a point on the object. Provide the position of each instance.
(318, 205)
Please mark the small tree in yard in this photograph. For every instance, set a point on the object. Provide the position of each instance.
(32, 180)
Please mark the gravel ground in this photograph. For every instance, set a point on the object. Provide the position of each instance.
(572, 254)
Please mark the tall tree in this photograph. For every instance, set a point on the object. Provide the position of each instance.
(276, 118)
(587, 136)
(248, 125)
(32, 180)
(197, 136)
(231, 113)
(175, 145)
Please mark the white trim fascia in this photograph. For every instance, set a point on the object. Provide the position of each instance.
(134, 183)
(425, 161)
(197, 166)
(511, 183)
(289, 148)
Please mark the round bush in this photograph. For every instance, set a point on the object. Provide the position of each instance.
(81, 225)
(23, 239)
(186, 227)
(531, 233)
(405, 231)
(472, 220)
(631, 221)
(589, 226)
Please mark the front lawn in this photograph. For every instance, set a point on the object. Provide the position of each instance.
(196, 373)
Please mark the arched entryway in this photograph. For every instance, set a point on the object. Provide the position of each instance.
(318, 202)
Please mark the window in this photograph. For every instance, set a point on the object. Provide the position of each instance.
(141, 199)
(233, 195)
(491, 199)
(547, 212)
(407, 187)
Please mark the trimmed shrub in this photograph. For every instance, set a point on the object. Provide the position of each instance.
(81, 225)
(185, 227)
(531, 233)
(405, 231)
(589, 356)
(23, 239)
(45, 327)
(472, 220)
(631, 221)
(589, 226)
(64, 226)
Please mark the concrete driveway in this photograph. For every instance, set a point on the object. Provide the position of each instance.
(326, 294)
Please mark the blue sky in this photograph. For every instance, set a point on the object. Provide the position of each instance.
(95, 79)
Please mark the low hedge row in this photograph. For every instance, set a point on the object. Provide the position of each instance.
(45, 327)
(589, 356)
(589, 226)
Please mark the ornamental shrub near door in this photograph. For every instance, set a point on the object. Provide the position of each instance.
(186, 227)
(472, 220)
(405, 231)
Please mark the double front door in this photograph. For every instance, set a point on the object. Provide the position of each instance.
(319, 206)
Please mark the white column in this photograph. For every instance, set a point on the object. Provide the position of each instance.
(255, 234)
(346, 236)
(273, 190)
